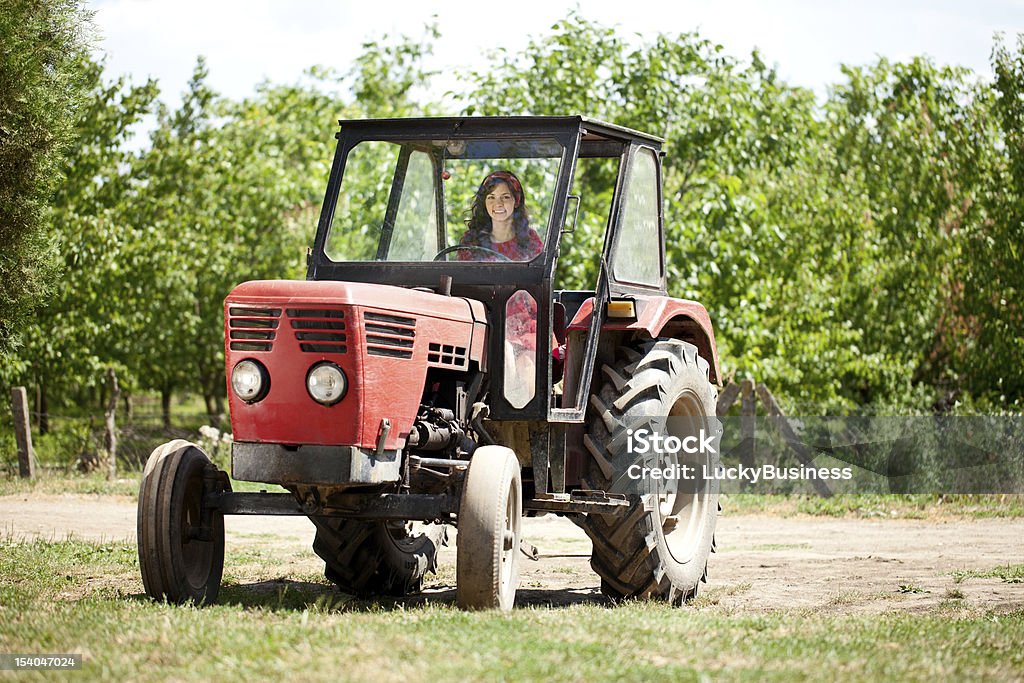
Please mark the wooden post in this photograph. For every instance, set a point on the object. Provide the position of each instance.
(727, 398)
(794, 442)
(23, 433)
(748, 411)
(110, 442)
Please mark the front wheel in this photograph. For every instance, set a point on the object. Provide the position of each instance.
(660, 549)
(490, 519)
(181, 545)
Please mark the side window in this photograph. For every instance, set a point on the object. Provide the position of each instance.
(580, 259)
(638, 252)
(362, 201)
(415, 233)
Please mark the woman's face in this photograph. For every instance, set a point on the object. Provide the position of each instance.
(500, 203)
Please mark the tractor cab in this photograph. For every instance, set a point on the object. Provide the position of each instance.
(398, 211)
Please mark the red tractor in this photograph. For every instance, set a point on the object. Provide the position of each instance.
(428, 373)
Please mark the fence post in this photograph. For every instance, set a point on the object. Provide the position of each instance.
(110, 440)
(727, 398)
(23, 433)
(748, 412)
(791, 438)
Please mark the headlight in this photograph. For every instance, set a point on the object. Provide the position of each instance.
(326, 383)
(250, 381)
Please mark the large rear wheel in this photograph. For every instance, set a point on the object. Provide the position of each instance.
(660, 549)
(377, 558)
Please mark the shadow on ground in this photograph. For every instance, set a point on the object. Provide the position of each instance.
(290, 595)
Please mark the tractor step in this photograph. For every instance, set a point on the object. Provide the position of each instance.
(582, 501)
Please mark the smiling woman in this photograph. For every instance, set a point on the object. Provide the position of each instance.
(499, 222)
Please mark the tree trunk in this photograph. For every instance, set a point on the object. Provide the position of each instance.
(110, 442)
(211, 413)
(218, 401)
(165, 405)
(42, 409)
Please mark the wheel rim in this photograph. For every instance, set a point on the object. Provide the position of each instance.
(510, 538)
(197, 555)
(683, 502)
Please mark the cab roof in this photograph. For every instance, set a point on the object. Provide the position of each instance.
(457, 126)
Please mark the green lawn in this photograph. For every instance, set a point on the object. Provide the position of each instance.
(77, 597)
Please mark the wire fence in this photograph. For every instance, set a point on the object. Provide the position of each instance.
(66, 441)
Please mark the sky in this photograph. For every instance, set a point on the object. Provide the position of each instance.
(247, 42)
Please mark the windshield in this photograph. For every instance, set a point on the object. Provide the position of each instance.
(434, 200)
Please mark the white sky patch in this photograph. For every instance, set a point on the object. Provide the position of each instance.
(247, 42)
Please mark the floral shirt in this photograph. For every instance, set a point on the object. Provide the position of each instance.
(509, 248)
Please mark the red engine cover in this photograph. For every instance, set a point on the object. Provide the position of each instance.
(384, 338)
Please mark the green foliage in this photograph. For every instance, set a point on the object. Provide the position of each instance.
(43, 47)
(992, 317)
(845, 251)
(858, 252)
(83, 327)
(385, 75)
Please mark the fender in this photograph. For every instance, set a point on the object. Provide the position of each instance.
(662, 316)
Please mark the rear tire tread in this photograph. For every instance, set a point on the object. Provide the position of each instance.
(626, 552)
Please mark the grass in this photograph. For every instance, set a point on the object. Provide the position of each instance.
(81, 597)
(1008, 573)
(49, 481)
(877, 506)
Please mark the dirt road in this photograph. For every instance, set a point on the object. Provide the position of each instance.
(844, 566)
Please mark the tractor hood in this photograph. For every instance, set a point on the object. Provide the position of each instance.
(387, 297)
(383, 338)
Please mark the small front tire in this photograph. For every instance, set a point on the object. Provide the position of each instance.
(181, 561)
(490, 531)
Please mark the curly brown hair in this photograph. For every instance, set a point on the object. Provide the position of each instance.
(478, 225)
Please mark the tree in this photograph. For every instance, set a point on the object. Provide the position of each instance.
(81, 328)
(228, 192)
(991, 322)
(43, 53)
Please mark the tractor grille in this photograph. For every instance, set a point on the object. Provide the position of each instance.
(389, 335)
(446, 354)
(251, 328)
(319, 330)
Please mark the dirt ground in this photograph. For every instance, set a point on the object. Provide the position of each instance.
(838, 566)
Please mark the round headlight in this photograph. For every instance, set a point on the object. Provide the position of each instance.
(326, 383)
(250, 381)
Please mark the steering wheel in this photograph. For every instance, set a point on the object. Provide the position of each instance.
(457, 247)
